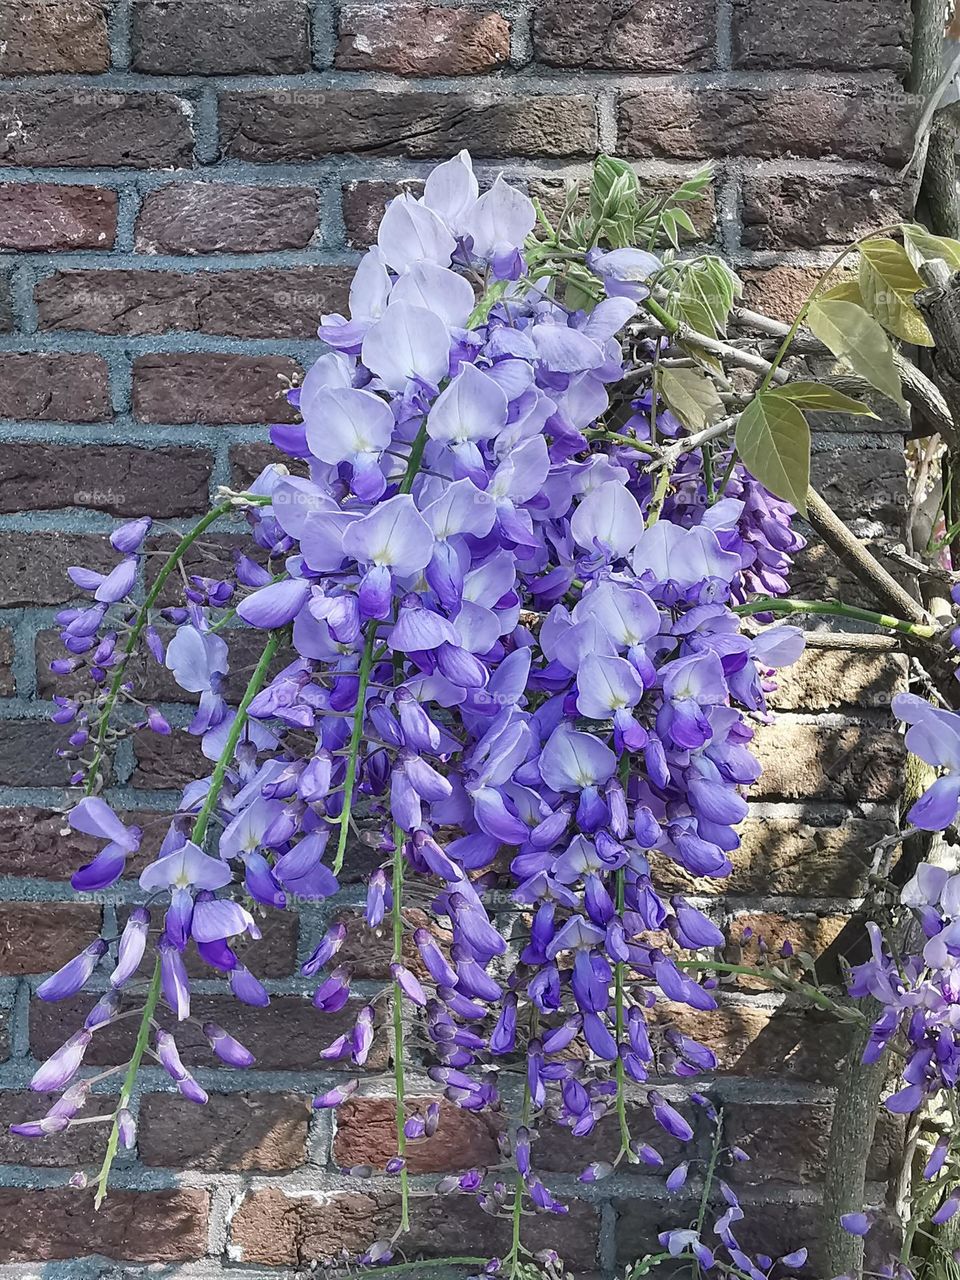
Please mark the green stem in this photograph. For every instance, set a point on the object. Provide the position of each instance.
(836, 608)
(710, 1171)
(197, 835)
(129, 1081)
(143, 614)
(818, 997)
(398, 1073)
(359, 711)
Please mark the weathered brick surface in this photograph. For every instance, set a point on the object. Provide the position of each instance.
(147, 1226)
(77, 1147)
(54, 388)
(276, 303)
(220, 37)
(123, 481)
(221, 217)
(234, 1132)
(788, 210)
(826, 678)
(806, 761)
(33, 566)
(364, 201)
(31, 843)
(40, 937)
(625, 35)
(685, 124)
(422, 40)
(88, 127)
(52, 36)
(822, 34)
(273, 1228)
(7, 682)
(39, 217)
(367, 1134)
(27, 754)
(294, 124)
(212, 388)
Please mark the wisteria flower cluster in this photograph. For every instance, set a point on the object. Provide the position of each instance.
(492, 647)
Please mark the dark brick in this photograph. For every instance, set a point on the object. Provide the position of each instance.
(7, 683)
(273, 1228)
(247, 304)
(422, 40)
(303, 124)
(626, 35)
(53, 36)
(91, 127)
(287, 1035)
(54, 388)
(248, 460)
(27, 754)
(114, 478)
(212, 388)
(167, 763)
(787, 1142)
(803, 761)
(32, 843)
(790, 210)
(274, 955)
(39, 937)
(822, 34)
(6, 305)
(33, 566)
(215, 217)
(220, 37)
(234, 1132)
(79, 1146)
(137, 1226)
(41, 217)
(870, 124)
(364, 202)
(865, 487)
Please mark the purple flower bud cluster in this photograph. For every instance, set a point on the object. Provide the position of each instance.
(492, 636)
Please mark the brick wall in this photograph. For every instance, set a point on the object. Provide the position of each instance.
(183, 188)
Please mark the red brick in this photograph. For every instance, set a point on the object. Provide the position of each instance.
(53, 36)
(213, 217)
(232, 1133)
(274, 302)
(79, 1146)
(123, 481)
(39, 937)
(213, 388)
(367, 1134)
(167, 762)
(59, 1223)
(364, 203)
(304, 124)
(422, 40)
(54, 388)
(625, 35)
(93, 127)
(675, 123)
(275, 1229)
(220, 37)
(41, 217)
(822, 34)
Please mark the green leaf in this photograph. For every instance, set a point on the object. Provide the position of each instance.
(691, 396)
(888, 283)
(817, 398)
(853, 335)
(922, 246)
(846, 291)
(773, 440)
(614, 182)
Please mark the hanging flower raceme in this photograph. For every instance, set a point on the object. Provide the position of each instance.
(485, 630)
